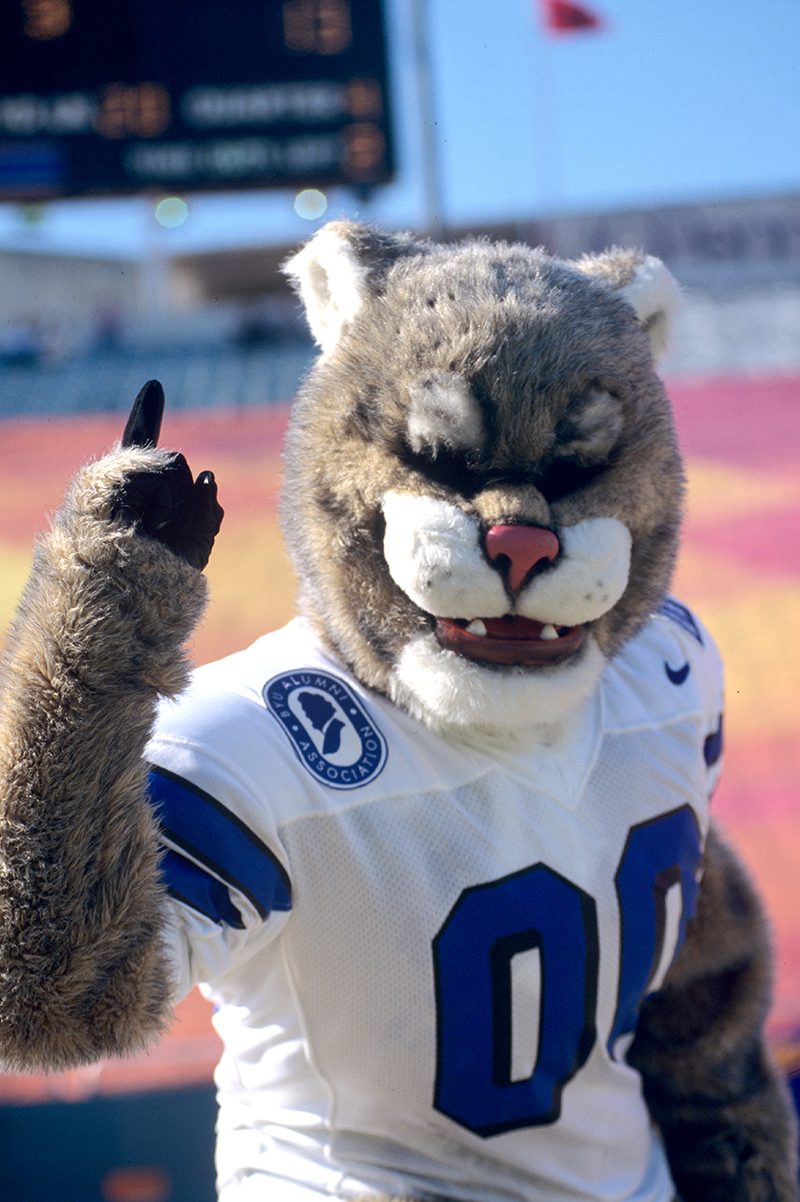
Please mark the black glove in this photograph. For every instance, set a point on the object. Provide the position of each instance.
(168, 505)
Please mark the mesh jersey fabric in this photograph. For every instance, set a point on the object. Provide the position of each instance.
(427, 956)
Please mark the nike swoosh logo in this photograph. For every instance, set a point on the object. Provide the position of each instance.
(677, 675)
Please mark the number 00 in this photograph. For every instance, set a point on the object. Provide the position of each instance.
(538, 909)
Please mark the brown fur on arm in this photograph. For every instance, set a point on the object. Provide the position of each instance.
(709, 1082)
(97, 638)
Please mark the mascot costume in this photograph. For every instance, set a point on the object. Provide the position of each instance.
(440, 851)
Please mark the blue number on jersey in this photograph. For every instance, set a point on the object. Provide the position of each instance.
(539, 909)
(488, 925)
(658, 854)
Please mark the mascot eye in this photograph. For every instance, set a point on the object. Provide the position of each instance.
(457, 473)
(565, 476)
(445, 467)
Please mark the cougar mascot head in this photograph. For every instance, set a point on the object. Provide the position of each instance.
(483, 489)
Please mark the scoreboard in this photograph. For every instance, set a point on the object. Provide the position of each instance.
(123, 96)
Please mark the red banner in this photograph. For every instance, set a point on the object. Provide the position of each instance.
(563, 16)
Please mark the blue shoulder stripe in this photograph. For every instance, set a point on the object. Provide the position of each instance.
(684, 617)
(193, 886)
(199, 824)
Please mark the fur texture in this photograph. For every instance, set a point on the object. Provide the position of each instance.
(98, 638)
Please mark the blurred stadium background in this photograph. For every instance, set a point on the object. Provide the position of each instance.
(79, 334)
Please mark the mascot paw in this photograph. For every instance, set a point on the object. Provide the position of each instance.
(166, 503)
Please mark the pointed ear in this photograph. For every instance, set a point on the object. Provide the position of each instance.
(339, 269)
(648, 287)
(331, 280)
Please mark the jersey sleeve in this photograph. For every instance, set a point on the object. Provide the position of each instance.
(223, 867)
(697, 654)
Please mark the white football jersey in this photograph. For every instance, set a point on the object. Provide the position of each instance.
(427, 956)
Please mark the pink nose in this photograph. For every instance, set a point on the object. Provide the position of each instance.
(524, 547)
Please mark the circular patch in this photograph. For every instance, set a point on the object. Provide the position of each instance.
(328, 727)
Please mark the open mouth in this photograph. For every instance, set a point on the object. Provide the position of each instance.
(509, 640)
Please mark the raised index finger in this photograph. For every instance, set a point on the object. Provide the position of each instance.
(144, 421)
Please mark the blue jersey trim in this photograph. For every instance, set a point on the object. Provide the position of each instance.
(201, 826)
(712, 747)
(670, 608)
(196, 888)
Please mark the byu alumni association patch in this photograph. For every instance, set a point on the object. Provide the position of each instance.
(329, 729)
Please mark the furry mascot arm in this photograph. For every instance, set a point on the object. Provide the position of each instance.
(114, 593)
(708, 1079)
